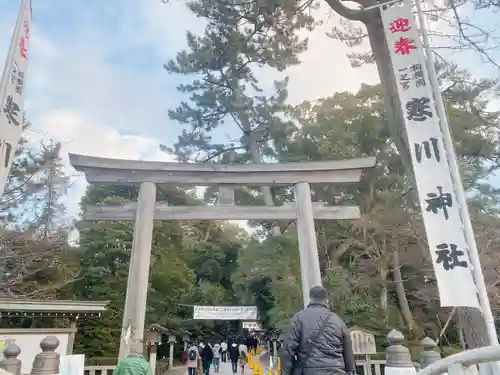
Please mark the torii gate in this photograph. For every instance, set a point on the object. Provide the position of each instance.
(148, 174)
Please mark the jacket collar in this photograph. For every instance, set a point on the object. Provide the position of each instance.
(317, 304)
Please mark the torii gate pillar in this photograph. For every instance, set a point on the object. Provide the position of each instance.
(308, 248)
(134, 314)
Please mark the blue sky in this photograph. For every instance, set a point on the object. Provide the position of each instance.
(96, 83)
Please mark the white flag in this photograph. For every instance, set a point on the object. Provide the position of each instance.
(440, 211)
(12, 92)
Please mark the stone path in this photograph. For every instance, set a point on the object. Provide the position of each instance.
(225, 369)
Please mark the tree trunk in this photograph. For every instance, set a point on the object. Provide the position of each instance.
(250, 142)
(400, 291)
(384, 294)
(266, 190)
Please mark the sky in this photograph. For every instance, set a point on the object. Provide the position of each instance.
(96, 81)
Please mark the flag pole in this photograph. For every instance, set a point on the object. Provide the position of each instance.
(477, 271)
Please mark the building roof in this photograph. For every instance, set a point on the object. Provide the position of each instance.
(42, 308)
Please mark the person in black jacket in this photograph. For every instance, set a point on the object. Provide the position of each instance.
(234, 355)
(207, 356)
(318, 341)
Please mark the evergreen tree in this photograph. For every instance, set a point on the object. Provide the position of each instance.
(192, 263)
(35, 259)
(225, 93)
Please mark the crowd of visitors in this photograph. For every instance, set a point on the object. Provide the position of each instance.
(201, 357)
(318, 342)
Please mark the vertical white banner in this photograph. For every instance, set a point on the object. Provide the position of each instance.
(12, 92)
(438, 202)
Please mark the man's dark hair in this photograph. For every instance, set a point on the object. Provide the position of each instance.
(317, 293)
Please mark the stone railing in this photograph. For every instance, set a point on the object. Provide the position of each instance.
(371, 367)
(398, 361)
(45, 363)
(99, 370)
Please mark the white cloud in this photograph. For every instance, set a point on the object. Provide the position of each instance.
(325, 68)
(164, 26)
(81, 134)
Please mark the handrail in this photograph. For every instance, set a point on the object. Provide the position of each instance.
(466, 358)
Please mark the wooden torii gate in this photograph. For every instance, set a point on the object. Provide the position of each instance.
(149, 174)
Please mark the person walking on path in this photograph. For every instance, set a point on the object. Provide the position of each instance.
(217, 350)
(223, 346)
(207, 356)
(135, 363)
(243, 348)
(193, 359)
(243, 357)
(318, 341)
(233, 357)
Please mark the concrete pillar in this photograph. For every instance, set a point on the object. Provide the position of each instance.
(71, 337)
(398, 356)
(171, 342)
(152, 358)
(171, 356)
(11, 363)
(138, 278)
(429, 353)
(47, 362)
(308, 249)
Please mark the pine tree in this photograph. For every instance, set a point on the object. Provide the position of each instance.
(225, 93)
(35, 259)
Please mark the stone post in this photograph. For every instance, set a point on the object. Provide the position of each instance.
(11, 363)
(275, 346)
(429, 353)
(152, 357)
(398, 356)
(171, 342)
(308, 249)
(153, 338)
(185, 340)
(134, 314)
(47, 362)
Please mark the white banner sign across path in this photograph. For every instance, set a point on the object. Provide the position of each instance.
(225, 313)
(440, 210)
(12, 92)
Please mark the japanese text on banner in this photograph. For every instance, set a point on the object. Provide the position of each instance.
(440, 212)
(12, 92)
(225, 312)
